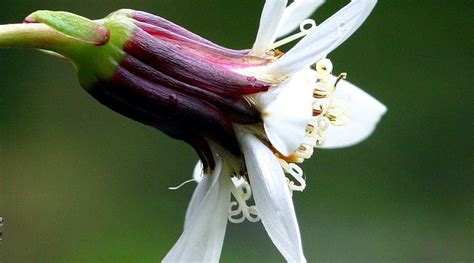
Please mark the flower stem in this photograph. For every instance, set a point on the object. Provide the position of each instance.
(33, 35)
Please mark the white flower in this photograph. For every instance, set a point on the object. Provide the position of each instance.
(304, 109)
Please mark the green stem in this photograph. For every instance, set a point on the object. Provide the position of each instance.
(34, 35)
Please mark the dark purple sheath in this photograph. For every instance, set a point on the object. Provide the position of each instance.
(183, 85)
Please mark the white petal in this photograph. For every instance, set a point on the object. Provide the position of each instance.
(269, 21)
(363, 112)
(295, 13)
(272, 197)
(325, 38)
(286, 117)
(206, 221)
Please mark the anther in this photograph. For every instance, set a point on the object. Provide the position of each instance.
(319, 94)
(317, 112)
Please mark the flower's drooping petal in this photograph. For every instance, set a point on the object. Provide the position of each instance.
(286, 117)
(272, 197)
(269, 21)
(296, 12)
(363, 113)
(206, 221)
(325, 38)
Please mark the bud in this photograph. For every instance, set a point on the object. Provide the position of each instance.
(179, 83)
(155, 72)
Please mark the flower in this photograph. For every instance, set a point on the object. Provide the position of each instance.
(251, 115)
(303, 109)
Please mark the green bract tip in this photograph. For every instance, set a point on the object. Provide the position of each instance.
(72, 25)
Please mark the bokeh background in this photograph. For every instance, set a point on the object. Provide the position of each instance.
(79, 183)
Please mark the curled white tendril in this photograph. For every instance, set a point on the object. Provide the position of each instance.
(239, 210)
(296, 172)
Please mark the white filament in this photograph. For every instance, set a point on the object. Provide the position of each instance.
(303, 32)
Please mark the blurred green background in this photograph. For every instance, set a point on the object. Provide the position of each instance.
(79, 183)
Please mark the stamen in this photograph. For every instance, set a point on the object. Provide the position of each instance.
(317, 110)
(319, 94)
(343, 75)
(303, 32)
(297, 173)
(327, 112)
(182, 184)
(306, 151)
(337, 114)
(239, 210)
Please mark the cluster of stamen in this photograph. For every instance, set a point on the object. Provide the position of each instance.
(326, 112)
(239, 209)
